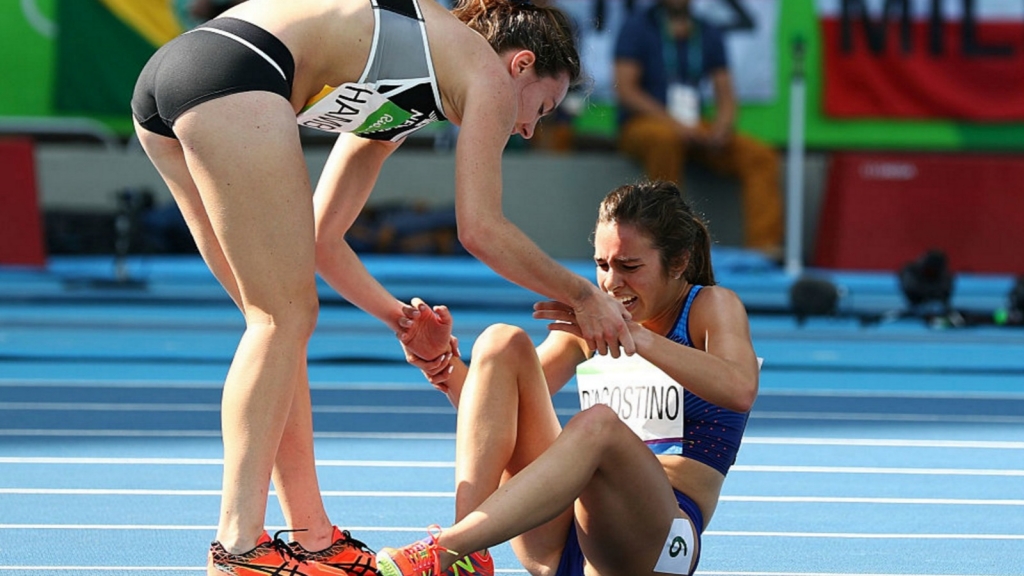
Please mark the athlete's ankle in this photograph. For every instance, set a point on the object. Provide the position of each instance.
(446, 556)
(314, 539)
(234, 542)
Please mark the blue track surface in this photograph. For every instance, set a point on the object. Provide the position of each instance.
(883, 449)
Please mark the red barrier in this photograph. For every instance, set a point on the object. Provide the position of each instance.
(21, 226)
(883, 210)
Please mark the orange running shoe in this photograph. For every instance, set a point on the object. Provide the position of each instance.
(421, 559)
(345, 557)
(270, 556)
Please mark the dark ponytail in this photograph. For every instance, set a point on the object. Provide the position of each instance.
(699, 270)
(658, 209)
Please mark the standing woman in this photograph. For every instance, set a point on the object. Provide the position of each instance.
(217, 110)
(594, 498)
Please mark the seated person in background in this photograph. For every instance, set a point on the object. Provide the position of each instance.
(595, 498)
(662, 55)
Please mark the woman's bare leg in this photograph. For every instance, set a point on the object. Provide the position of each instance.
(505, 416)
(295, 480)
(294, 471)
(505, 421)
(625, 505)
(244, 156)
(169, 159)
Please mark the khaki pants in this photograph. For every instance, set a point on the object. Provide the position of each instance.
(663, 154)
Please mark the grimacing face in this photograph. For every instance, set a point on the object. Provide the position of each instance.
(629, 268)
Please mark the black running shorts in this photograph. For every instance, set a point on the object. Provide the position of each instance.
(221, 57)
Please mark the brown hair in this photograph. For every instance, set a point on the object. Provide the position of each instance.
(522, 25)
(657, 209)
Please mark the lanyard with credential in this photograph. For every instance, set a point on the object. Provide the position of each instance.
(694, 53)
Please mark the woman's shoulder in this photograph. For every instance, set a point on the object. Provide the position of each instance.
(717, 301)
(445, 30)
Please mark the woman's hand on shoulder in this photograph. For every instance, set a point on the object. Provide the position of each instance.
(599, 319)
(560, 316)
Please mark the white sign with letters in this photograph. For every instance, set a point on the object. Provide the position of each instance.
(644, 397)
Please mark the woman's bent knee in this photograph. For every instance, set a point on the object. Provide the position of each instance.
(502, 341)
(599, 422)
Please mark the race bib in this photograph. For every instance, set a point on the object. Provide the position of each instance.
(679, 550)
(684, 104)
(358, 109)
(644, 397)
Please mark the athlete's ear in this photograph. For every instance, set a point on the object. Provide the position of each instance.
(677, 269)
(522, 61)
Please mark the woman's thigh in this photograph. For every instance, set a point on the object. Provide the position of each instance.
(244, 155)
(626, 511)
(169, 159)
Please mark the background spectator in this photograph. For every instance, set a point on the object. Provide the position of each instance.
(663, 55)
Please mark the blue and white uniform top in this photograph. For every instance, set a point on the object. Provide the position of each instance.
(666, 416)
(397, 93)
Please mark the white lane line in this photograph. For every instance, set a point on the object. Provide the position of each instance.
(80, 460)
(175, 492)
(447, 410)
(414, 385)
(732, 573)
(884, 442)
(109, 406)
(103, 569)
(868, 500)
(407, 436)
(864, 536)
(191, 407)
(876, 470)
(437, 494)
(419, 529)
(199, 384)
(884, 417)
(741, 468)
(50, 433)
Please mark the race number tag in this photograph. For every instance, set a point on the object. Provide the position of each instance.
(678, 553)
(352, 108)
(684, 104)
(341, 109)
(645, 398)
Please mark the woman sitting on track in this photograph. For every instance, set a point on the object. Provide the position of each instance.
(593, 498)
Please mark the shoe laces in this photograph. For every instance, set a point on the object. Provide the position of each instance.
(284, 549)
(416, 551)
(347, 538)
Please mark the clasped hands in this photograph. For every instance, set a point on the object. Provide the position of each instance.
(426, 337)
(425, 334)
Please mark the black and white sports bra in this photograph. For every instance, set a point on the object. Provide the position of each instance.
(397, 93)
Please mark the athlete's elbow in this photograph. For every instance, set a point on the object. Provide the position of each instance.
(326, 251)
(745, 396)
(474, 239)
